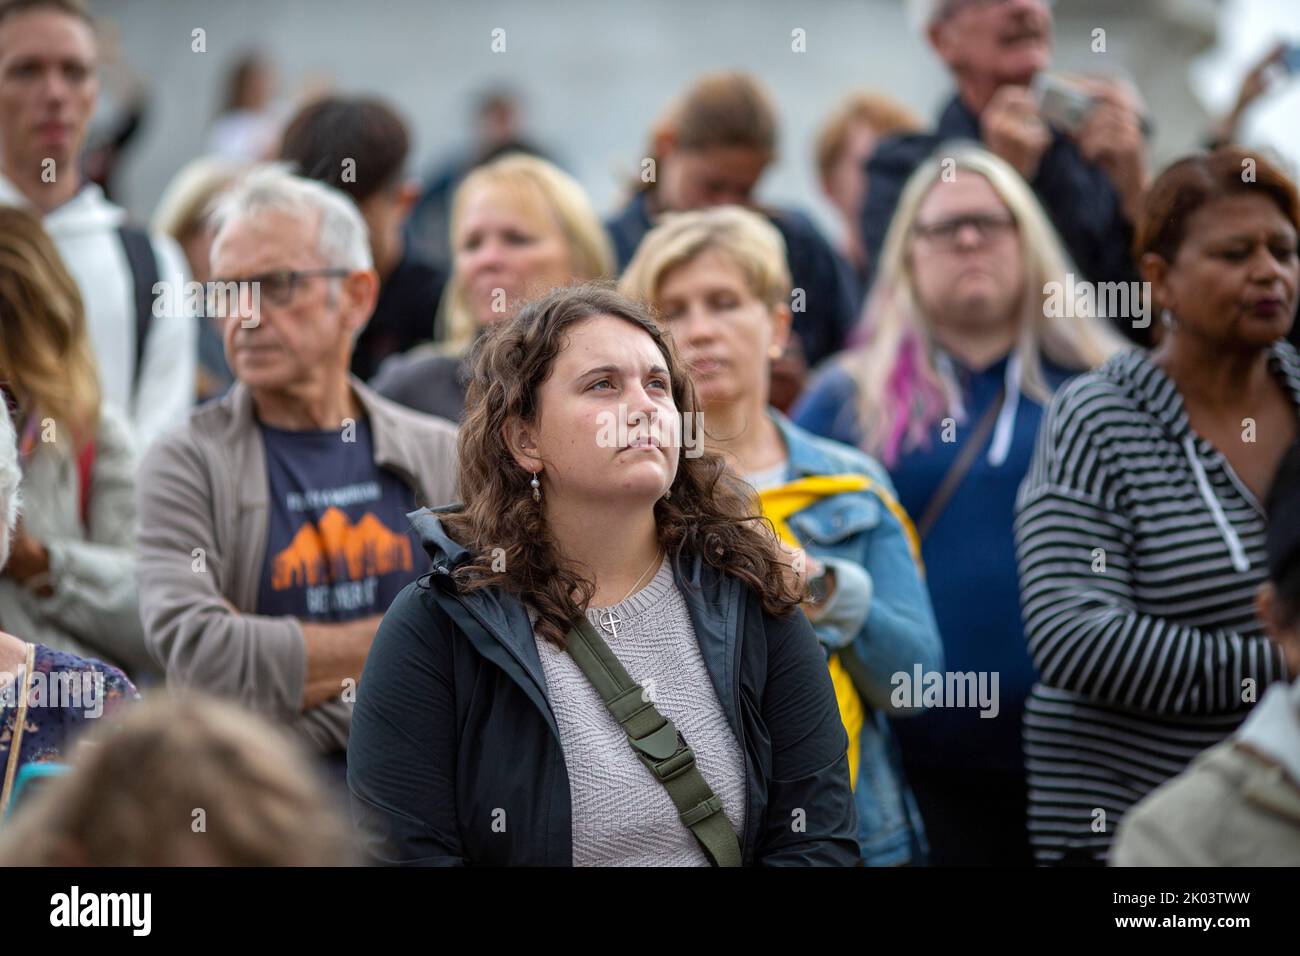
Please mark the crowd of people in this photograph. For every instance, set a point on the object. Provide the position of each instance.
(686, 537)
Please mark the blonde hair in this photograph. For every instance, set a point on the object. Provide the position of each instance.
(745, 237)
(901, 390)
(559, 196)
(886, 116)
(136, 782)
(183, 209)
(45, 354)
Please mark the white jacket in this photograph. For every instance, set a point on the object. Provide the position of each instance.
(93, 610)
(85, 231)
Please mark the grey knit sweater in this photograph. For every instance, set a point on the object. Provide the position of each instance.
(622, 816)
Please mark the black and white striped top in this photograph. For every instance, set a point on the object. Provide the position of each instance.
(1147, 659)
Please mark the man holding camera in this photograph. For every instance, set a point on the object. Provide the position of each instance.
(1078, 143)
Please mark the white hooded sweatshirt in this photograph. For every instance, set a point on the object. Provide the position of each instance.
(85, 231)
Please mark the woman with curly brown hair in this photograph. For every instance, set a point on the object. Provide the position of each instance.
(594, 528)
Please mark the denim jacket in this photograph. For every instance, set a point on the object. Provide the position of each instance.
(881, 607)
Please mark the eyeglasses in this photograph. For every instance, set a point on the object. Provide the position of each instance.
(947, 231)
(277, 287)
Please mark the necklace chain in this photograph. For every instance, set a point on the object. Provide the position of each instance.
(608, 620)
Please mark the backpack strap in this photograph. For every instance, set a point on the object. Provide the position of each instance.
(960, 466)
(658, 743)
(143, 264)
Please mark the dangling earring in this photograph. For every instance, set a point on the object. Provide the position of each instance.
(668, 495)
(1167, 318)
(537, 488)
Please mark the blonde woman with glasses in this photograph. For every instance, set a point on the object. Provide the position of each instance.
(963, 349)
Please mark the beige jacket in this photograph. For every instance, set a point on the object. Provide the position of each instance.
(1237, 804)
(203, 503)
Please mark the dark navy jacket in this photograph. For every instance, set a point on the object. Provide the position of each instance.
(830, 287)
(1077, 196)
(455, 756)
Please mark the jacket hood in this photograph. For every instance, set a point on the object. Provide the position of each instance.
(85, 213)
(445, 551)
(442, 550)
(498, 625)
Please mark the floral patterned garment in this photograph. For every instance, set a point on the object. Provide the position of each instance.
(65, 693)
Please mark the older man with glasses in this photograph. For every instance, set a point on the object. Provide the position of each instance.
(1078, 142)
(273, 528)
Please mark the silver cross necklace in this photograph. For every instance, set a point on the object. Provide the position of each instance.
(610, 621)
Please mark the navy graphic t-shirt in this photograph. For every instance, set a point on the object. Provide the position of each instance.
(339, 544)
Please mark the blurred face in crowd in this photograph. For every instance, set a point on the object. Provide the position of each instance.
(498, 124)
(716, 176)
(508, 248)
(846, 181)
(385, 213)
(965, 255)
(723, 331)
(48, 88)
(607, 363)
(304, 328)
(995, 42)
(1233, 280)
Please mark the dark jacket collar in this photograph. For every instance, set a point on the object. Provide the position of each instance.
(957, 121)
(498, 625)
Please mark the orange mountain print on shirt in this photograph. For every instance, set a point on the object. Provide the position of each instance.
(338, 550)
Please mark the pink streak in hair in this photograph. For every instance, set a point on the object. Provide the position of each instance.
(898, 392)
(915, 403)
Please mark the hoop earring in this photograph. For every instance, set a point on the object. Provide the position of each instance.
(537, 487)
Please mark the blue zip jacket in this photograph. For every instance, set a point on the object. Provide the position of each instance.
(455, 756)
(970, 561)
(880, 607)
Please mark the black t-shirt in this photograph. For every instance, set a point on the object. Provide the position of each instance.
(339, 545)
(403, 316)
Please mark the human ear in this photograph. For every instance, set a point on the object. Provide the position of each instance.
(407, 194)
(1155, 270)
(781, 319)
(360, 293)
(1282, 633)
(521, 440)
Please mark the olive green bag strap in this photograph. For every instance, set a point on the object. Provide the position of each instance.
(657, 741)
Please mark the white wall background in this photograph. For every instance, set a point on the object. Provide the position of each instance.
(594, 73)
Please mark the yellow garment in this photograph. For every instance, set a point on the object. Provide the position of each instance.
(780, 503)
